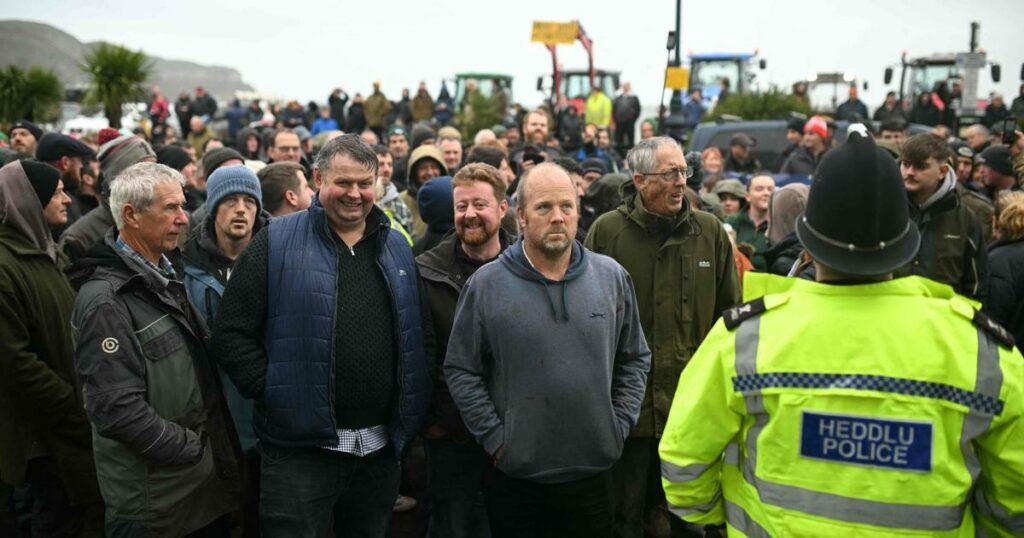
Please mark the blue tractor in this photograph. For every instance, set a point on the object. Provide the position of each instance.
(708, 70)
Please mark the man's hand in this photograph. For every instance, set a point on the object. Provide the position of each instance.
(497, 455)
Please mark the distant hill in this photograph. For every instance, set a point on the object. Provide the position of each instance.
(25, 44)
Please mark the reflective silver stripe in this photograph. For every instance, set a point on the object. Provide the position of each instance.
(699, 509)
(732, 454)
(747, 339)
(883, 514)
(995, 511)
(739, 519)
(988, 381)
(836, 507)
(675, 473)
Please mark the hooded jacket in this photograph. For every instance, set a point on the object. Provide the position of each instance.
(167, 455)
(437, 209)
(685, 276)
(552, 372)
(952, 243)
(241, 143)
(419, 228)
(207, 270)
(40, 406)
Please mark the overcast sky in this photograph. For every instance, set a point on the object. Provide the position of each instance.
(303, 48)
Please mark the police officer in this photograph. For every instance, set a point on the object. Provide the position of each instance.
(857, 405)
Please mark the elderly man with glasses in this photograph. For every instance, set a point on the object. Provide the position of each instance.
(682, 267)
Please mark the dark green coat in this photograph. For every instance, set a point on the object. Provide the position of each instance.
(746, 232)
(684, 276)
(41, 409)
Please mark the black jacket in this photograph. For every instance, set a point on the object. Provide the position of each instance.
(1006, 290)
(441, 281)
(952, 247)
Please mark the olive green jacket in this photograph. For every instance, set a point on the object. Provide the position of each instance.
(684, 275)
(41, 411)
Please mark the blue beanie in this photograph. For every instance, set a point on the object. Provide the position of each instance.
(437, 204)
(232, 180)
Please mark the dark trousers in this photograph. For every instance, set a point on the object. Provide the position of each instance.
(640, 506)
(457, 505)
(52, 512)
(523, 509)
(302, 488)
(624, 137)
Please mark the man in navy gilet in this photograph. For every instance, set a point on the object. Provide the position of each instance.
(321, 326)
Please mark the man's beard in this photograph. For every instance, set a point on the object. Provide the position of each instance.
(476, 236)
(555, 246)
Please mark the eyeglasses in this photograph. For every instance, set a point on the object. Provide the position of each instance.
(670, 176)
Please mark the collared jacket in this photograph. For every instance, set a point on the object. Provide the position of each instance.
(284, 284)
(167, 455)
(881, 409)
(684, 275)
(442, 281)
(952, 244)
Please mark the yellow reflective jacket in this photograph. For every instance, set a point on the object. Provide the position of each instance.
(598, 109)
(850, 410)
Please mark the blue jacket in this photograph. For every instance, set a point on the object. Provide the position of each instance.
(301, 290)
(322, 125)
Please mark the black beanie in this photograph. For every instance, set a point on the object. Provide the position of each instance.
(173, 156)
(43, 178)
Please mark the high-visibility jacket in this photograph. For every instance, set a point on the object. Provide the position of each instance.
(882, 409)
(598, 109)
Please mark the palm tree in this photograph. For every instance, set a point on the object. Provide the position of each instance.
(44, 92)
(34, 95)
(117, 74)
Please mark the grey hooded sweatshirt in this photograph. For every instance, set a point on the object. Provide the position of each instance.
(554, 372)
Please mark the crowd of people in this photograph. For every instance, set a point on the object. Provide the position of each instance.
(243, 333)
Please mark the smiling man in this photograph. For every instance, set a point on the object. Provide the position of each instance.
(681, 262)
(320, 324)
(952, 240)
(457, 463)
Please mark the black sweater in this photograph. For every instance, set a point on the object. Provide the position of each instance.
(365, 349)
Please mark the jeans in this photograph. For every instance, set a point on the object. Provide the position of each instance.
(302, 488)
(640, 506)
(457, 507)
(523, 509)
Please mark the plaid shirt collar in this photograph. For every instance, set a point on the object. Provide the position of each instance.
(165, 269)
